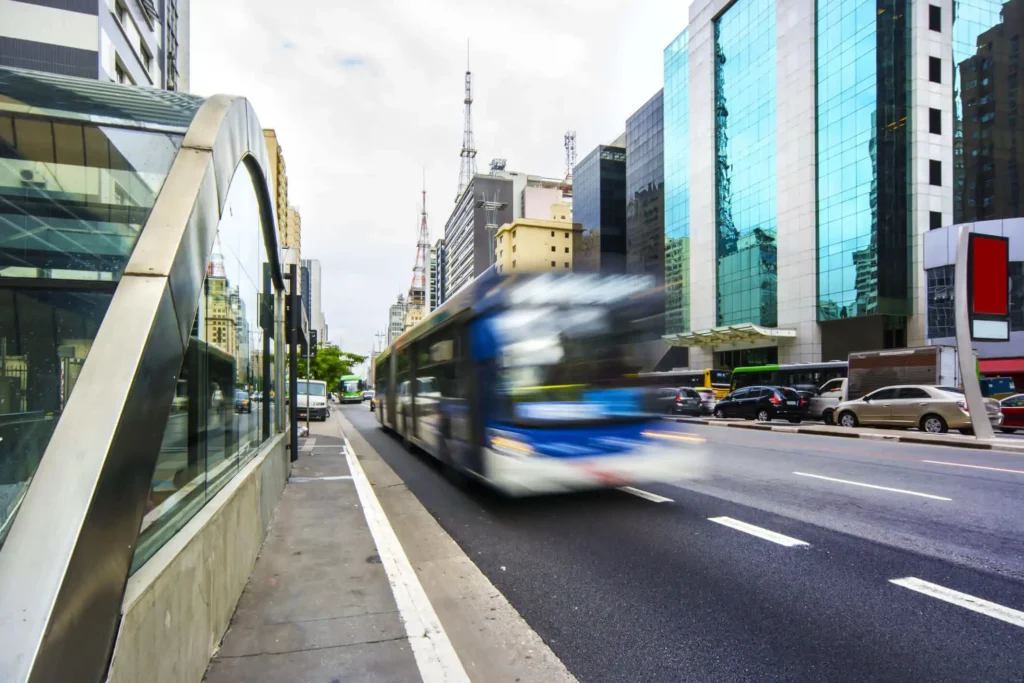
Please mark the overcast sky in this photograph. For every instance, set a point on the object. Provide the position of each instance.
(365, 94)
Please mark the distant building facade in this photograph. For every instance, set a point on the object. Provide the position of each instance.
(535, 245)
(278, 180)
(396, 319)
(599, 206)
(645, 190)
(144, 42)
(469, 234)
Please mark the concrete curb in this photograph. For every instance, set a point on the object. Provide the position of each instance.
(953, 441)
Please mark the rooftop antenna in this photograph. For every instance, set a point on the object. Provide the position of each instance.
(418, 289)
(468, 168)
(570, 154)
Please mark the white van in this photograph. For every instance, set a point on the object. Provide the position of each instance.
(311, 395)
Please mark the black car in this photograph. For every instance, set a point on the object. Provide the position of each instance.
(682, 401)
(763, 403)
(243, 404)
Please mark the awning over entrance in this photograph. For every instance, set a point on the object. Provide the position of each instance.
(1001, 366)
(729, 334)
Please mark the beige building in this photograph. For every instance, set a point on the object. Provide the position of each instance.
(532, 245)
(291, 233)
(278, 180)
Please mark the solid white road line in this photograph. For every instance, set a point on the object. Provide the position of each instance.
(646, 495)
(787, 541)
(990, 609)
(872, 486)
(308, 445)
(975, 467)
(433, 651)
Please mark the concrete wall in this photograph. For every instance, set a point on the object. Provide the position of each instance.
(178, 605)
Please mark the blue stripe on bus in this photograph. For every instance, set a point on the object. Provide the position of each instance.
(583, 441)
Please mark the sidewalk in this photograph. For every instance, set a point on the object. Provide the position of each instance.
(898, 435)
(318, 606)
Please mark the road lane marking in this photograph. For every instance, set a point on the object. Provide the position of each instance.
(308, 445)
(976, 467)
(767, 535)
(301, 480)
(646, 495)
(873, 486)
(433, 651)
(989, 609)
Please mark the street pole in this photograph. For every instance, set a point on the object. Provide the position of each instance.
(308, 395)
(964, 347)
(293, 362)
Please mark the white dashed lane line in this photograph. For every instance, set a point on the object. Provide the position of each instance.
(973, 467)
(989, 609)
(765, 534)
(646, 495)
(872, 486)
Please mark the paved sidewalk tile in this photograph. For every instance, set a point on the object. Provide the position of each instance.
(318, 606)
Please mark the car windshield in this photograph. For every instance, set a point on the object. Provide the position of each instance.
(315, 388)
(564, 363)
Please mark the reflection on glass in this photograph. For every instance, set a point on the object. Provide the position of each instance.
(217, 417)
(745, 163)
(677, 185)
(862, 167)
(73, 198)
(988, 112)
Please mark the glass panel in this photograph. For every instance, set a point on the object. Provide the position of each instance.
(74, 196)
(677, 185)
(45, 337)
(745, 163)
(987, 107)
(217, 417)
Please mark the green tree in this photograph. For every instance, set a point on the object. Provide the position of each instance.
(330, 365)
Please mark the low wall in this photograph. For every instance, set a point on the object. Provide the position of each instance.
(178, 605)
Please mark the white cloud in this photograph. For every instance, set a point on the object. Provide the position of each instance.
(366, 93)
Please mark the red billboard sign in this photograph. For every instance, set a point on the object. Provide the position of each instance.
(988, 287)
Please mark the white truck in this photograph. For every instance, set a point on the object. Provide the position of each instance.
(870, 370)
(311, 396)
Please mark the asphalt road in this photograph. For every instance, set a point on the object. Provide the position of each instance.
(626, 589)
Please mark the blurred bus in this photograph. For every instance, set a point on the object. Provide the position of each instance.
(804, 377)
(529, 383)
(350, 389)
(719, 381)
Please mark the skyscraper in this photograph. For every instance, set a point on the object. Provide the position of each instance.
(599, 206)
(144, 42)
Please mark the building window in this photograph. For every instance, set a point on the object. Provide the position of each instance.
(566, 264)
(552, 264)
(513, 248)
(147, 59)
(513, 264)
(934, 220)
(567, 250)
(552, 248)
(566, 234)
(935, 121)
(513, 234)
(121, 12)
(552, 233)
(935, 172)
(935, 70)
(934, 18)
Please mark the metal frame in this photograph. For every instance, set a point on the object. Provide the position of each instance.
(965, 349)
(65, 563)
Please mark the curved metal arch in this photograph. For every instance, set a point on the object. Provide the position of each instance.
(65, 563)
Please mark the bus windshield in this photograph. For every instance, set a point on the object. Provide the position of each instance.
(562, 364)
(350, 386)
(721, 378)
(315, 388)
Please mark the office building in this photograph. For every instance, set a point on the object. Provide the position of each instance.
(432, 300)
(138, 42)
(291, 231)
(440, 271)
(469, 235)
(535, 245)
(645, 190)
(277, 181)
(312, 298)
(396, 319)
(599, 206)
(797, 202)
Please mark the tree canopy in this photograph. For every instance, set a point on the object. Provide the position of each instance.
(330, 365)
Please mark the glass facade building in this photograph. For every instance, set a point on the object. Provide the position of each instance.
(745, 178)
(645, 191)
(599, 205)
(676, 136)
(988, 125)
(863, 183)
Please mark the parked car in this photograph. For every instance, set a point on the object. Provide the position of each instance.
(242, 402)
(708, 399)
(763, 403)
(1012, 408)
(681, 401)
(822, 404)
(930, 409)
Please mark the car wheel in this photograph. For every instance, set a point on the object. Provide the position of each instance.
(719, 413)
(848, 419)
(763, 415)
(934, 424)
(1007, 430)
(826, 416)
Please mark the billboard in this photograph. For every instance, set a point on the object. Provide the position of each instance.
(988, 287)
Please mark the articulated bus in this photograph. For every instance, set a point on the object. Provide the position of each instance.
(804, 377)
(529, 383)
(719, 381)
(350, 389)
